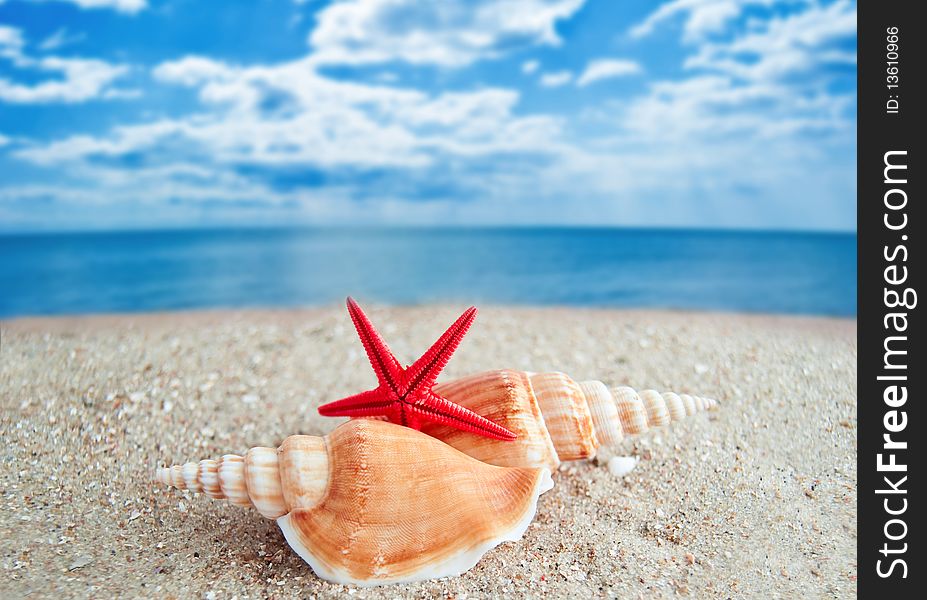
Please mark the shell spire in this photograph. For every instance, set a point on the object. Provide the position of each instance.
(374, 503)
(555, 418)
(254, 480)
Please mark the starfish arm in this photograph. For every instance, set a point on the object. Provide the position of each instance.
(424, 372)
(365, 404)
(441, 410)
(384, 364)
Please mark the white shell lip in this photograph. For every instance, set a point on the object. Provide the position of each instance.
(453, 566)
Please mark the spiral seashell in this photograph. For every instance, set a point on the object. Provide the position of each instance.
(374, 503)
(555, 418)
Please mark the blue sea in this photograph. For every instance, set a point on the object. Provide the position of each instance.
(55, 274)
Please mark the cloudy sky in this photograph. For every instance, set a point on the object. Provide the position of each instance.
(696, 113)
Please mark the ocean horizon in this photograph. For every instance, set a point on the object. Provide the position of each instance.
(185, 269)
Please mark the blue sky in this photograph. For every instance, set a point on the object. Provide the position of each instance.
(692, 113)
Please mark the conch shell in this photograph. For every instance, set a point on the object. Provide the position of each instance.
(374, 503)
(555, 418)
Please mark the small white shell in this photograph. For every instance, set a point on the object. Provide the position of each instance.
(619, 466)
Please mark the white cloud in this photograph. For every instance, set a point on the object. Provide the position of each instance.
(453, 33)
(76, 79)
(752, 83)
(4, 140)
(703, 17)
(84, 79)
(714, 107)
(556, 79)
(122, 94)
(61, 37)
(123, 140)
(277, 122)
(289, 114)
(10, 37)
(124, 6)
(192, 70)
(784, 45)
(530, 66)
(607, 68)
(11, 42)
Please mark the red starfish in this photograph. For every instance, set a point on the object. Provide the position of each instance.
(404, 395)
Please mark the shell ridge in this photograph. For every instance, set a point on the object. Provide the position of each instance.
(262, 480)
(539, 416)
(362, 480)
(453, 565)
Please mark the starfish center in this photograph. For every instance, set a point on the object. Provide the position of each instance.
(411, 387)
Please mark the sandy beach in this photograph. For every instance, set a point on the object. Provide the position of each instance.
(756, 499)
